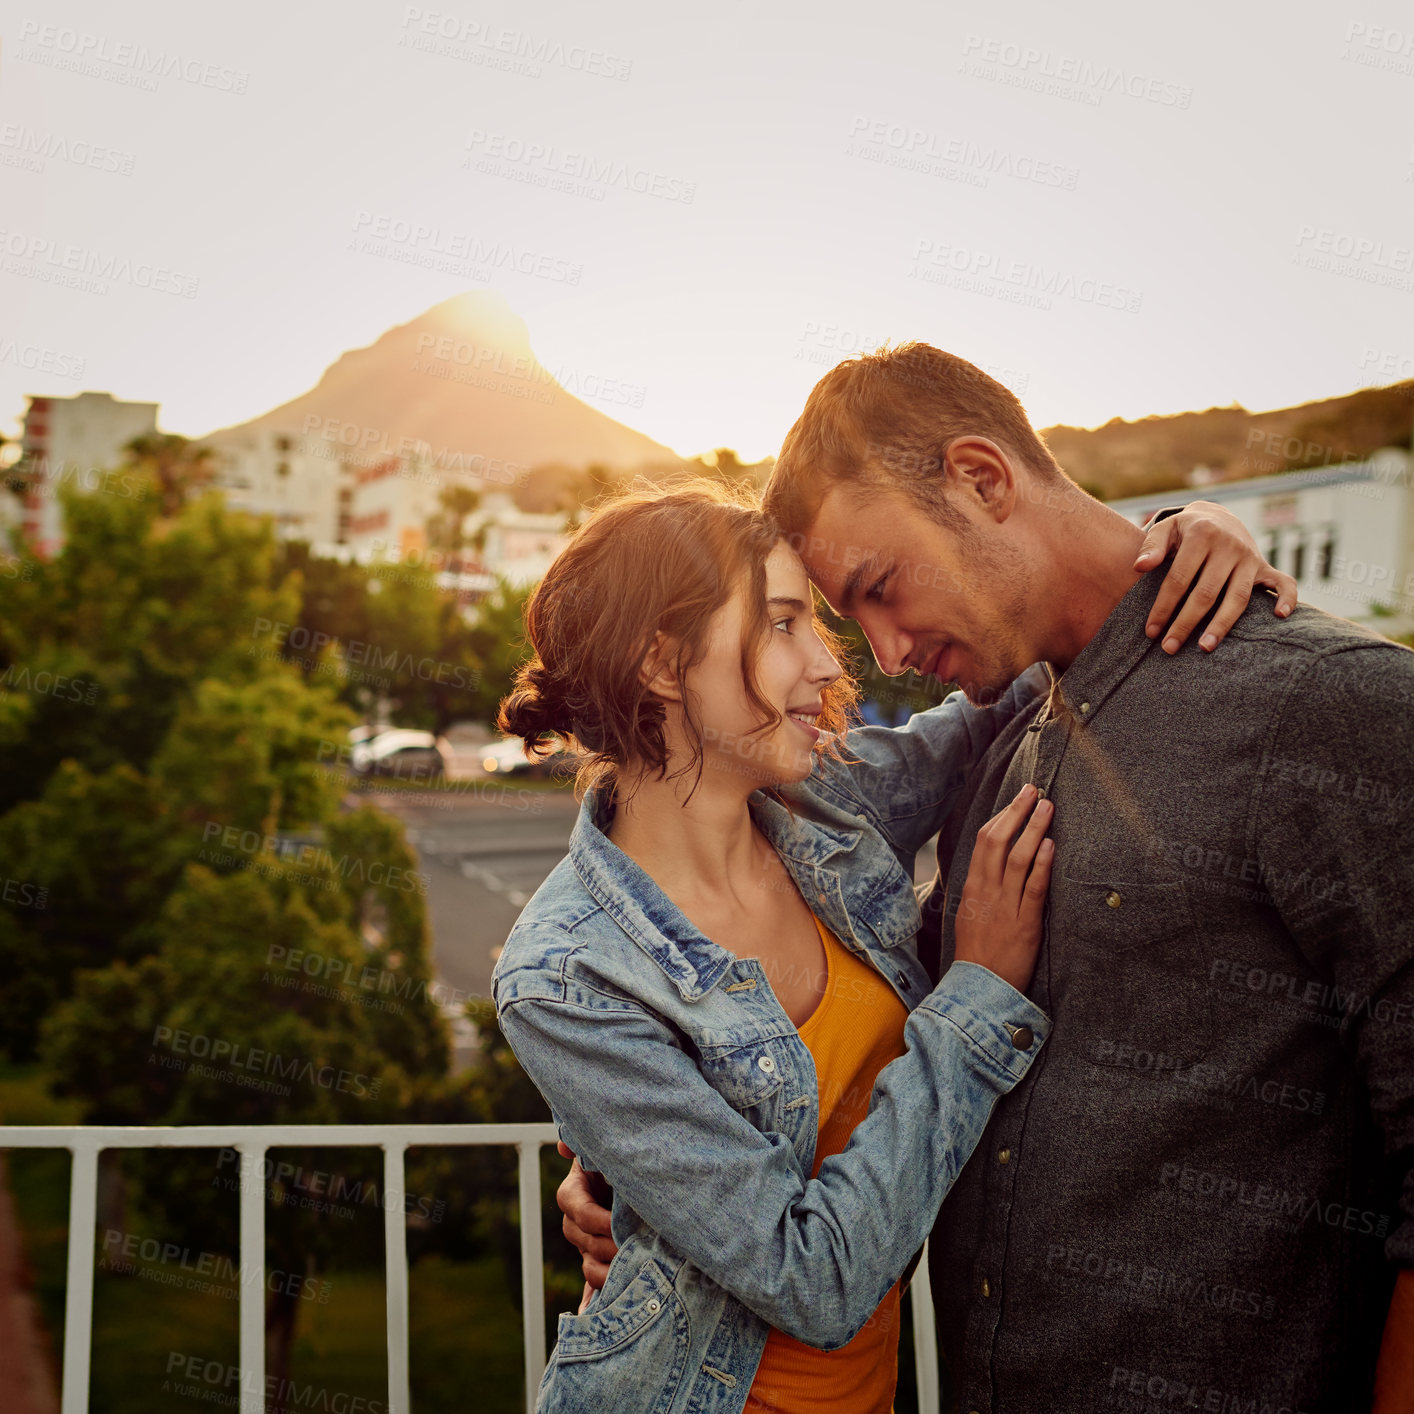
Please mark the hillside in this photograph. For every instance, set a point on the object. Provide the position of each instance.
(1160, 453)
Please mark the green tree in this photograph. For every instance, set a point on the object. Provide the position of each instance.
(179, 467)
(499, 644)
(175, 840)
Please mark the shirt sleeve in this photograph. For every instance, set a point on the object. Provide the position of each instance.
(907, 778)
(813, 1257)
(1331, 820)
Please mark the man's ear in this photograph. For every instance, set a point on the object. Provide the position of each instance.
(983, 475)
(657, 671)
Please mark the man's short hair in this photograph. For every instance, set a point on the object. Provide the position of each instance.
(883, 420)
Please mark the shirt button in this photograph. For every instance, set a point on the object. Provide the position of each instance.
(766, 1064)
(901, 980)
(1003, 1156)
(986, 1287)
(1022, 1037)
(1084, 706)
(1113, 899)
(1040, 793)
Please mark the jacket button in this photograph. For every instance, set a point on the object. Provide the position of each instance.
(1022, 1037)
(986, 1287)
(1003, 1156)
(653, 1304)
(1084, 706)
(1113, 899)
(766, 1064)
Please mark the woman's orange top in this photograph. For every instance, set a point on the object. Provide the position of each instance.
(852, 1035)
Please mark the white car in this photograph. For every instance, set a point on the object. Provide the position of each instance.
(508, 757)
(402, 752)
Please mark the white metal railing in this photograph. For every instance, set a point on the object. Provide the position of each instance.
(252, 1141)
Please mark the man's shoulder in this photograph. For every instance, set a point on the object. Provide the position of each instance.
(1322, 657)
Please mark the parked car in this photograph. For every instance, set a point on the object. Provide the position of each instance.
(402, 752)
(508, 758)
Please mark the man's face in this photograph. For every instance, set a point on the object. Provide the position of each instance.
(948, 604)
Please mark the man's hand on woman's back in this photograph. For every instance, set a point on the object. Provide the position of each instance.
(582, 1198)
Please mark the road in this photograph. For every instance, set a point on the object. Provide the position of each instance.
(484, 852)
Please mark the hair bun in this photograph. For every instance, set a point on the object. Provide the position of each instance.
(534, 709)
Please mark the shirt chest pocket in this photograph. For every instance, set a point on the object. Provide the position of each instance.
(753, 1079)
(1129, 980)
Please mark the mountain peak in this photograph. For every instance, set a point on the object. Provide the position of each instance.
(462, 377)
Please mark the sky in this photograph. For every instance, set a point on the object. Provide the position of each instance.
(1115, 213)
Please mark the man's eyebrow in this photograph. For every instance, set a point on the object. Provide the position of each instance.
(856, 577)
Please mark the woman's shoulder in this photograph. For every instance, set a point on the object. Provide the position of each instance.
(562, 940)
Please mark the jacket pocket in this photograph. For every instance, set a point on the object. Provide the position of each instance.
(1130, 982)
(627, 1355)
(748, 1077)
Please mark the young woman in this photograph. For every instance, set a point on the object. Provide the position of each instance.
(717, 990)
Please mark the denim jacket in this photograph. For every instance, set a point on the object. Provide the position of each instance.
(671, 1067)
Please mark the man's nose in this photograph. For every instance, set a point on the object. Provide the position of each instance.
(890, 649)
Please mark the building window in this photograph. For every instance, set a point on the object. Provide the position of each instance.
(1326, 561)
(1273, 550)
(283, 444)
(282, 469)
(1298, 559)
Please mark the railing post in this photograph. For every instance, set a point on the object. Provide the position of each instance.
(252, 1347)
(395, 1242)
(78, 1306)
(532, 1271)
(925, 1338)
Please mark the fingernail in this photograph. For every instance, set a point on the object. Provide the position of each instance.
(1151, 630)
(1208, 641)
(1170, 645)
(1283, 609)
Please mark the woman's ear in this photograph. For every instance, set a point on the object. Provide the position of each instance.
(657, 672)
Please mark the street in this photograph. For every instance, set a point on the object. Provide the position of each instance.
(485, 852)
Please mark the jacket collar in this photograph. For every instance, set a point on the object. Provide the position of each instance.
(631, 897)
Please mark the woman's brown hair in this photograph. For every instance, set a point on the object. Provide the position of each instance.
(646, 560)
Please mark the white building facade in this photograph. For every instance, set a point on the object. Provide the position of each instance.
(76, 442)
(1345, 533)
(294, 480)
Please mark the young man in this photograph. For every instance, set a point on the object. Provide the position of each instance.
(1201, 1195)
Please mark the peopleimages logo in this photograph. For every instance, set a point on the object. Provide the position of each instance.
(1065, 75)
(79, 267)
(79, 51)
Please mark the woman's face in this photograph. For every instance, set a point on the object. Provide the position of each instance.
(792, 671)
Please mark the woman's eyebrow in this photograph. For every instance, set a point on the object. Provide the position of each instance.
(780, 601)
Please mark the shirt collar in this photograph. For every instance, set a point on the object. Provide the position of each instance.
(1111, 655)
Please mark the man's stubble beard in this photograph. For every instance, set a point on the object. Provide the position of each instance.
(1001, 650)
